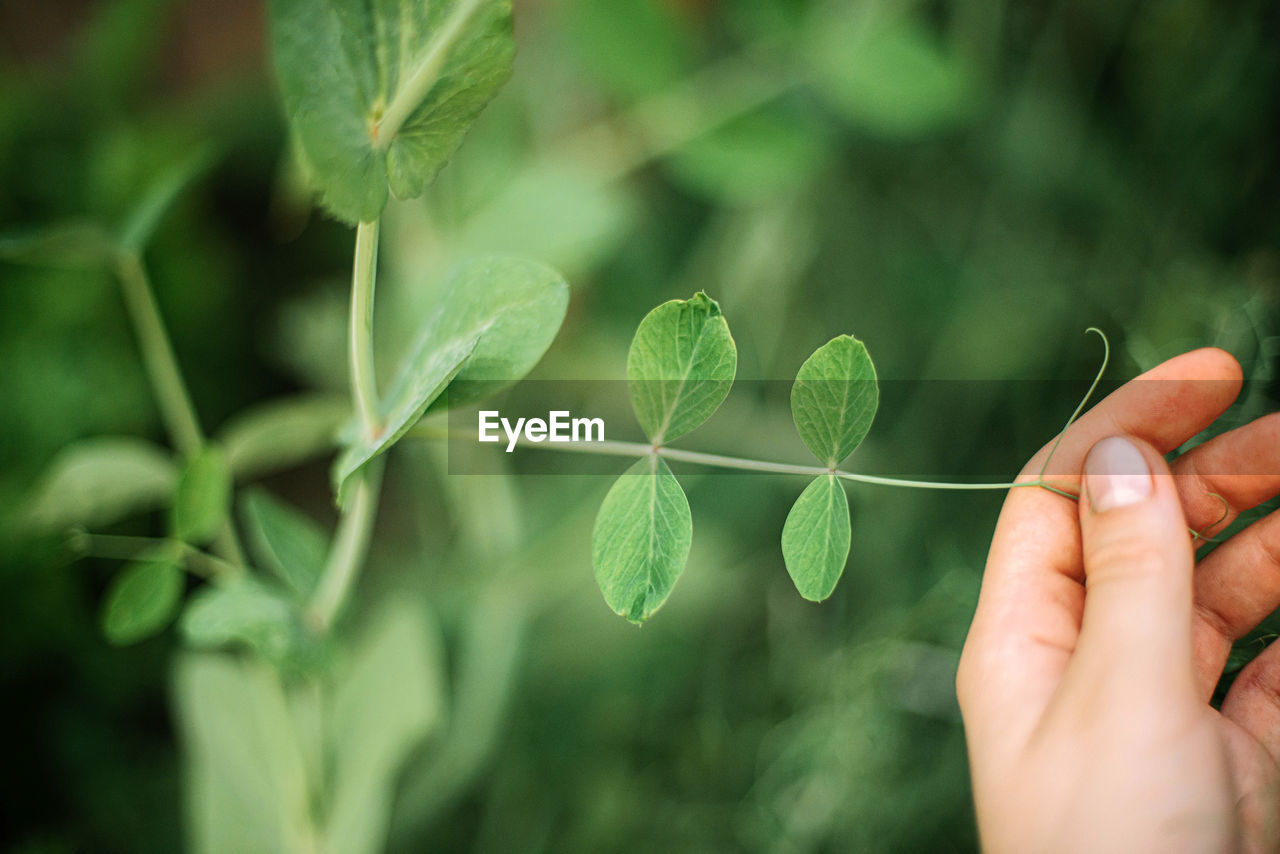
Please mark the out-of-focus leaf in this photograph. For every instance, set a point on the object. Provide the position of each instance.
(285, 541)
(388, 701)
(641, 539)
(815, 538)
(380, 94)
(203, 499)
(246, 780)
(514, 309)
(96, 482)
(144, 597)
(632, 47)
(886, 72)
(242, 611)
(680, 367)
(421, 380)
(557, 212)
(72, 245)
(753, 158)
(281, 433)
(158, 197)
(834, 399)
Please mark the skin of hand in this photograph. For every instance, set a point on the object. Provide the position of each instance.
(1097, 642)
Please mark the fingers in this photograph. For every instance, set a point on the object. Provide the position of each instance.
(1239, 583)
(1135, 635)
(1029, 612)
(1240, 467)
(1253, 702)
(1235, 588)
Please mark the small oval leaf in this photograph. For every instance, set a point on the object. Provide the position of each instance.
(815, 538)
(243, 611)
(96, 482)
(641, 539)
(281, 433)
(285, 541)
(834, 399)
(203, 499)
(143, 598)
(680, 367)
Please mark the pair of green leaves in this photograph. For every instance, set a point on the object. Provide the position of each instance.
(498, 316)
(379, 94)
(833, 403)
(144, 597)
(680, 367)
(679, 370)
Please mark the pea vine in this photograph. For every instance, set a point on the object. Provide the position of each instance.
(680, 368)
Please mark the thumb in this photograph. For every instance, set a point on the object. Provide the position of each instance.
(1138, 561)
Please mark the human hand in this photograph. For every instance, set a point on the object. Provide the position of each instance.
(1086, 677)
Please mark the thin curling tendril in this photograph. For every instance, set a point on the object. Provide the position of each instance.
(1197, 536)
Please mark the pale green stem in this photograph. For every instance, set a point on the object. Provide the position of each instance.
(414, 89)
(613, 448)
(176, 409)
(351, 542)
(114, 547)
(157, 356)
(364, 384)
(350, 547)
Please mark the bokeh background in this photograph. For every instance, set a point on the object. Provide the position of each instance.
(964, 185)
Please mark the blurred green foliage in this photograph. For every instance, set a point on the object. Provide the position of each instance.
(963, 185)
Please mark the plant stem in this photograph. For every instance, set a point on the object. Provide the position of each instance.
(613, 448)
(350, 547)
(423, 77)
(114, 547)
(351, 542)
(157, 355)
(364, 383)
(176, 409)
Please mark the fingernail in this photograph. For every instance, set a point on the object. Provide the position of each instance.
(1116, 475)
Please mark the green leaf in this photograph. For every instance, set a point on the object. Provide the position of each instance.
(422, 379)
(887, 72)
(241, 611)
(144, 597)
(680, 367)
(513, 307)
(632, 48)
(245, 772)
(282, 433)
(70, 245)
(141, 222)
(379, 94)
(389, 700)
(554, 210)
(285, 541)
(96, 482)
(203, 500)
(641, 539)
(753, 158)
(815, 538)
(834, 399)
